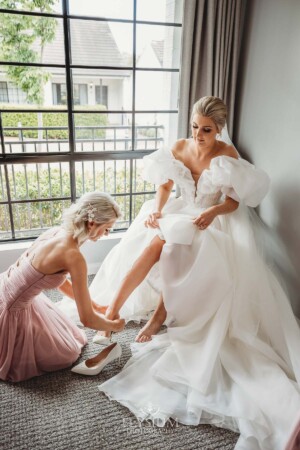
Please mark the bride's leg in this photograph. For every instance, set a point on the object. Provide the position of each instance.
(154, 323)
(135, 276)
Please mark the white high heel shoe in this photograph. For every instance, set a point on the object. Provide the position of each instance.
(94, 365)
(99, 339)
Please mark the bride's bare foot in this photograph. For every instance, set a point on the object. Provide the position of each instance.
(152, 327)
(100, 308)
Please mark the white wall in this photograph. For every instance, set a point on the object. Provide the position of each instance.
(267, 129)
(94, 252)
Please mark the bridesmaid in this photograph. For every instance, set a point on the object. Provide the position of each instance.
(36, 337)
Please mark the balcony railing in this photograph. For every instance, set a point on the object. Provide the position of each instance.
(33, 195)
(114, 137)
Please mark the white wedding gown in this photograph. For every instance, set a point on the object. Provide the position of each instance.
(231, 353)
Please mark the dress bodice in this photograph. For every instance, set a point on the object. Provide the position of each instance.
(236, 178)
(21, 283)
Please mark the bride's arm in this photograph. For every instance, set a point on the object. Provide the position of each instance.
(161, 198)
(205, 219)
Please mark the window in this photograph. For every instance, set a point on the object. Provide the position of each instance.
(102, 95)
(83, 98)
(80, 94)
(3, 92)
(59, 92)
(11, 94)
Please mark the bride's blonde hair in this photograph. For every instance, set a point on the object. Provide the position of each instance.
(212, 107)
(94, 206)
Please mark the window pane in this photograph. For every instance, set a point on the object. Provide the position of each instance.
(54, 6)
(5, 227)
(3, 92)
(114, 177)
(35, 132)
(117, 9)
(102, 132)
(155, 130)
(160, 10)
(3, 191)
(101, 95)
(32, 218)
(107, 176)
(115, 86)
(156, 90)
(158, 46)
(39, 181)
(100, 43)
(138, 201)
(21, 38)
(25, 87)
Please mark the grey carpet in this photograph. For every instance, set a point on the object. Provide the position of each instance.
(62, 411)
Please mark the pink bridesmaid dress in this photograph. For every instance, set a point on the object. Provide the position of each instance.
(35, 337)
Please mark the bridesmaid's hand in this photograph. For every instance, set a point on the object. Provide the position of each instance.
(151, 221)
(115, 325)
(205, 218)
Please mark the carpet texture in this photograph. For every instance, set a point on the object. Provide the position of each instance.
(62, 411)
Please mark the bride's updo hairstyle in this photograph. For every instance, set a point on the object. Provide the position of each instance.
(212, 107)
(94, 206)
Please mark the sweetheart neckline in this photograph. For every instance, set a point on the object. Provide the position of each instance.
(196, 183)
(204, 170)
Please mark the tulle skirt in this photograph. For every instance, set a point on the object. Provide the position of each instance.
(230, 356)
(37, 339)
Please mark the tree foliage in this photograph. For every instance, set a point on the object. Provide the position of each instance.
(22, 40)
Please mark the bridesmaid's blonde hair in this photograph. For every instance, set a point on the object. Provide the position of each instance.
(212, 107)
(94, 206)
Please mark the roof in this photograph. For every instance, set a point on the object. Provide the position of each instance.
(158, 47)
(92, 43)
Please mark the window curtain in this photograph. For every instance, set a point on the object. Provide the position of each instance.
(212, 32)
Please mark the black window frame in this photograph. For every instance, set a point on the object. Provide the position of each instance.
(73, 156)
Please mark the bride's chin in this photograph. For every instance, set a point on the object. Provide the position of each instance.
(94, 238)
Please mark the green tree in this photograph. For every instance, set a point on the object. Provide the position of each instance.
(23, 39)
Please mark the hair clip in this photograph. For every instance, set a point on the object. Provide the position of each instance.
(90, 212)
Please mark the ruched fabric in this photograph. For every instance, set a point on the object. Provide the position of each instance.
(35, 336)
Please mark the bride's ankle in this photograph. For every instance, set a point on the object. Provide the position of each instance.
(159, 317)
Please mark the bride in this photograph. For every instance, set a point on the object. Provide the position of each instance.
(230, 354)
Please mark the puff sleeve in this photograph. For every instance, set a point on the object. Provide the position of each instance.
(158, 167)
(239, 179)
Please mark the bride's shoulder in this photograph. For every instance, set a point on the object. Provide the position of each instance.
(228, 150)
(179, 148)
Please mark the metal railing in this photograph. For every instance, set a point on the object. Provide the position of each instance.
(33, 194)
(111, 141)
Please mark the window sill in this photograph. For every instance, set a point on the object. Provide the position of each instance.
(94, 252)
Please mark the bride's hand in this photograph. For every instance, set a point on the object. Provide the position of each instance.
(151, 221)
(205, 218)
